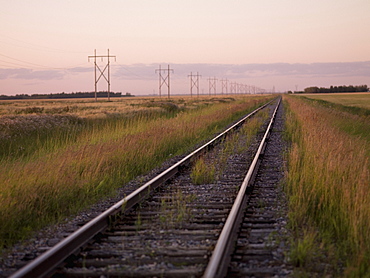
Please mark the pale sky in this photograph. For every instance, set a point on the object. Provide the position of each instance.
(44, 44)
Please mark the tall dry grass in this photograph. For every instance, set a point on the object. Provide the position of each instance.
(58, 178)
(328, 183)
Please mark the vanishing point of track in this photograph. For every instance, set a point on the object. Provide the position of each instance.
(171, 227)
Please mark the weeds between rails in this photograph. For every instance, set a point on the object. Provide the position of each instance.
(63, 175)
(203, 172)
(328, 186)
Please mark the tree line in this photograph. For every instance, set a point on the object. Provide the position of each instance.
(336, 89)
(66, 95)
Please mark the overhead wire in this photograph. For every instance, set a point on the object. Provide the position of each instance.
(37, 65)
(22, 61)
(126, 69)
(12, 63)
(35, 46)
(25, 44)
(38, 47)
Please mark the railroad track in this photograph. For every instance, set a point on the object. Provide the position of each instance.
(259, 249)
(171, 227)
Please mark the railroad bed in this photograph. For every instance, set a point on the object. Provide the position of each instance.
(173, 231)
(262, 236)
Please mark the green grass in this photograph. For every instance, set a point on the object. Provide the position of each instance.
(303, 249)
(203, 173)
(175, 210)
(328, 185)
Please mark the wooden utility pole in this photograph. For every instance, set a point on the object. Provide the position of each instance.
(164, 79)
(212, 85)
(224, 85)
(233, 87)
(107, 66)
(194, 82)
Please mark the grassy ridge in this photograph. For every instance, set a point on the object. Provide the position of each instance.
(333, 103)
(361, 100)
(61, 176)
(328, 184)
(350, 119)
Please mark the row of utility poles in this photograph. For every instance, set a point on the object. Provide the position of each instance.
(164, 80)
(235, 88)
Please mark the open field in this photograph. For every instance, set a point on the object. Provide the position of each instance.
(56, 161)
(88, 108)
(354, 99)
(328, 177)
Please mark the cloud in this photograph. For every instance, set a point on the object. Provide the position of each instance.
(32, 83)
(28, 74)
(232, 71)
(181, 71)
(135, 71)
(303, 70)
(80, 69)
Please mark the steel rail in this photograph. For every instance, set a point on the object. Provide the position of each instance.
(45, 264)
(220, 258)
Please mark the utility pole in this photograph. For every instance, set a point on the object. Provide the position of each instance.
(194, 82)
(232, 88)
(224, 85)
(107, 66)
(212, 85)
(164, 79)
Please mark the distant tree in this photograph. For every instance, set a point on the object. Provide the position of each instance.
(62, 95)
(337, 89)
(311, 90)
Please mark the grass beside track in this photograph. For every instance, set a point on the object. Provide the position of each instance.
(61, 169)
(328, 186)
(359, 100)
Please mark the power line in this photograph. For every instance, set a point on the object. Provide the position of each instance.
(130, 71)
(25, 62)
(33, 64)
(35, 46)
(10, 63)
